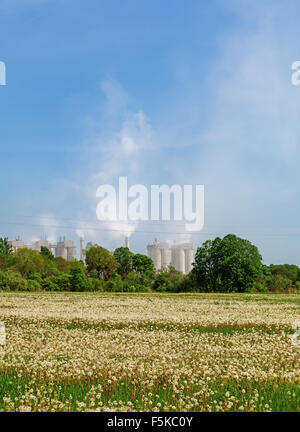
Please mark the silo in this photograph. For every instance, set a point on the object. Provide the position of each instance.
(165, 255)
(61, 250)
(71, 252)
(174, 257)
(157, 257)
(150, 251)
(154, 252)
(189, 258)
(182, 257)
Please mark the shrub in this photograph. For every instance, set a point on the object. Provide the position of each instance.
(281, 283)
(4, 282)
(96, 284)
(12, 281)
(35, 276)
(26, 261)
(32, 285)
(79, 280)
(115, 284)
(168, 280)
(62, 280)
(137, 282)
(49, 285)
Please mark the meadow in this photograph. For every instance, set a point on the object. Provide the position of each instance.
(149, 352)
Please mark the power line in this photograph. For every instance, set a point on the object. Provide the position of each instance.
(155, 223)
(144, 231)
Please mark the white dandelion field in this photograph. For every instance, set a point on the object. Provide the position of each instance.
(149, 352)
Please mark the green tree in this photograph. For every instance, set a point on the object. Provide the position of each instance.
(27, 261)
(79, 280)
(32, 285)
(124, 258)
(143, 264)
(5, 247)
(100, 261)
(288, 271)
(115, 284)
(280, 283)
(62, 280)
(11, 280)
(62, 264)
(207, 265)
(228, 264)
(47, 253)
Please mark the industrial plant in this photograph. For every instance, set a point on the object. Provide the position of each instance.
(179, 255)
(63, 248)
(163, 254)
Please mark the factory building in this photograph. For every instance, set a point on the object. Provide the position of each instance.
(180, 255)
(64, 248)
(17, 244)
(43, 242)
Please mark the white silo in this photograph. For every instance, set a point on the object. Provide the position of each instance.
(176, 257)
(189, 257)
(66, 249)
(182, 257)
(165, 255)
(157, 256)
(154, 253)
(61, 250)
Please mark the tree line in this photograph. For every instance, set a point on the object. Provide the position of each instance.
(229, 264)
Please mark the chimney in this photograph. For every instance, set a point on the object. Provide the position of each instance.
(82, 248)
(127, 243)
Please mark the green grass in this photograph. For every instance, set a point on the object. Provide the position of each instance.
(281, 396)
(106, 325)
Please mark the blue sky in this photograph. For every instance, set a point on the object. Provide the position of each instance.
(201, 91)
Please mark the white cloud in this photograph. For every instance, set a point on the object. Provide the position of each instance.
(245, 149)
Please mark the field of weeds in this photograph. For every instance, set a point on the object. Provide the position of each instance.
(149, 352)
